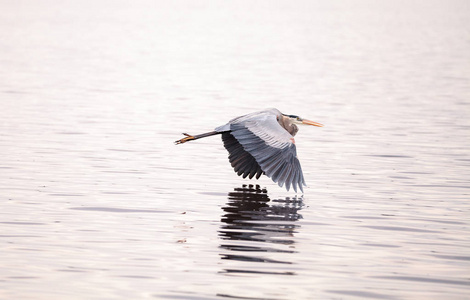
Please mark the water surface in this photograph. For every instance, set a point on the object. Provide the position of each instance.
(98, 203)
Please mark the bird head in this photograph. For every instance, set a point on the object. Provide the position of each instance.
(298, 120)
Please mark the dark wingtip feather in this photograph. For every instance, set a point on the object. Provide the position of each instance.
(243, 163)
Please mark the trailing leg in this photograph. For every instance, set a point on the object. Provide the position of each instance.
(195, 137)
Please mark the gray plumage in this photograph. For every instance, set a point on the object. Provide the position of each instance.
(261, 143)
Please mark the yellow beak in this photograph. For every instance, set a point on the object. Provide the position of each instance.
(308, 122)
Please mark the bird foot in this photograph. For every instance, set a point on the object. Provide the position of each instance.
(184, 140)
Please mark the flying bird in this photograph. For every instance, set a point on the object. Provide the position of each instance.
(262, 143)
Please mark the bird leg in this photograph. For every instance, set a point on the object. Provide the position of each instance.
(195, 137)
(184, 140)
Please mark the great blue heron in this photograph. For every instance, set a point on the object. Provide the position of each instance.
(262, 143)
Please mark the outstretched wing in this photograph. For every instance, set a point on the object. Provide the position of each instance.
(271, 147)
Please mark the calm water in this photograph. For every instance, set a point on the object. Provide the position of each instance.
(97, 202)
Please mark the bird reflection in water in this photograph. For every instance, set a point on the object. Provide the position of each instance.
(259, 230)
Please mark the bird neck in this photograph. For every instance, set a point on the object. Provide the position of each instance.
(288, 125)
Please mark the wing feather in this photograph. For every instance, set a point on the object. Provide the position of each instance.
(289, 178)
(254, 169)
(283, 173)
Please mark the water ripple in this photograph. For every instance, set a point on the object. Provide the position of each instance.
(116, 210)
